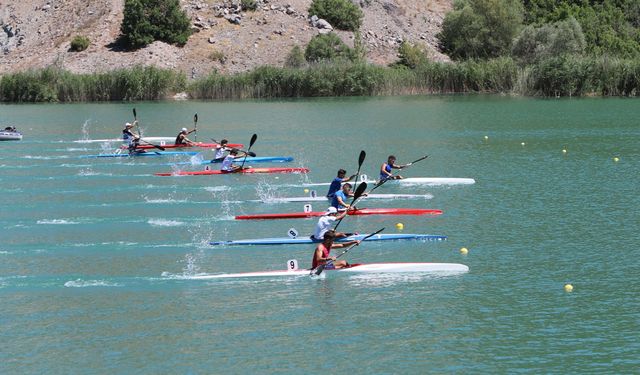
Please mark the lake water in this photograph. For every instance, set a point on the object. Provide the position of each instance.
(96, 254)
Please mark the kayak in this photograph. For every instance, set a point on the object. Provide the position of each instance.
(6, 135)
(148, 153)
(371, 268)
(197, 144)
(359, 211)
(244, 170)
(148, 139)
(308, 240)
(416, 180)
(325, 199)
(256, 159)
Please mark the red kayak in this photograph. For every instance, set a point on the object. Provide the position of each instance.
(244, 170)
(361, 211)
(197, 144)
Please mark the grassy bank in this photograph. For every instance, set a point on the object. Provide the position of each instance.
(554, 77)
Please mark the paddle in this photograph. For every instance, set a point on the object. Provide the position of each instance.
(135, 119)
(250, 153)
(253, 140)
(389, 178)
(318, 270)
(359, 191)
(360, 161)
(195, 126)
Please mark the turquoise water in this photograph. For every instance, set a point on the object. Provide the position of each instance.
(96, 253)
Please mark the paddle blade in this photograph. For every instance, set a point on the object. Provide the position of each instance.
(361, 158)
(195, 118)
(359, 191)
(252, 154)
(254, 138)
(320, 268)
(134, 114)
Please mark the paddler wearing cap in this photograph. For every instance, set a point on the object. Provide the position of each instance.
(181, 138)
(322, 253)
(127, 133)
(326, 221)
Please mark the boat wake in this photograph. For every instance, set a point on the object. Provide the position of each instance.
(79, 283)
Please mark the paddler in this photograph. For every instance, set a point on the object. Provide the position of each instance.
(386, 168)
(181, 138)
(339, 200)
(221, 148)
(133, 146)
(326, 221)
(322, 253)
(127, 133)
(337, 182)
(227, 163)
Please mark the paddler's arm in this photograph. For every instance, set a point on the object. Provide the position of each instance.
(345, 244)
(343, 203)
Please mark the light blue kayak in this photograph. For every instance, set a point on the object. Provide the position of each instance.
(308, 240)
(256, 159)
(148, 153)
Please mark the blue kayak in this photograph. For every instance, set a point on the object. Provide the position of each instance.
(255, 159)
(308, 240)
(148, 153)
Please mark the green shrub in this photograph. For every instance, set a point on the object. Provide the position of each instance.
(341, 14)
(480, 28)
(411, 55)
(219, 56)
(80, 43)
(559, 38)
(295, 58)
(148, 20)
(326, 47)
(249, 4)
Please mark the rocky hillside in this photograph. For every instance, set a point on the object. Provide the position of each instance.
(36, 34)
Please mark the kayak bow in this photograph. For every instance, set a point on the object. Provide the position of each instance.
(197, 144)
(148, 153)
(358, 211)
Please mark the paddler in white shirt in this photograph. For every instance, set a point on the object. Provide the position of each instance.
(227, 163)
(322, 254)
(326, 221)
(220, 150)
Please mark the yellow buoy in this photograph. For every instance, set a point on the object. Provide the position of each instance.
(568, 288)
(306, 191)
(464, 251)
(616, 159)
(400, 226)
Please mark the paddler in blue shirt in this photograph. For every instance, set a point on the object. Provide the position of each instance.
(339, 200)
(386, 168)
(337, 182)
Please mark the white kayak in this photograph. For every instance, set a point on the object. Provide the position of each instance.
(324, 199)
(148, 139)
(6, 135)
(433, 181)
(372, 268)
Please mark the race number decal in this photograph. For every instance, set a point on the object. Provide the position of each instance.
(163, 143)
(364, 177)
(307, 208)
(293, 233)
(292, 265)
(313, 193)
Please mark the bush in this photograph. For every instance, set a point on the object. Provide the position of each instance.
(411, 55)
(249, 4)
(341, 14)
(295, 58)
(480, 28)
(79, 43)
(560, 38)
(148, 20)
(219, 56)
(326, 47)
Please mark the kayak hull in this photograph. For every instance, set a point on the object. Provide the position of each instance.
(432, 181)
(135, 155)
(10, 136)
(251, 160)
(363, 211)
(242, 171)
(325, 199)
(308, 240)
(373, 268)
(197, 144)
(148, 139)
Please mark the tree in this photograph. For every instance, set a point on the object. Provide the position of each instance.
(559, 38)
(341, 14)
(324, 47)
(148, 20)
(480, 28)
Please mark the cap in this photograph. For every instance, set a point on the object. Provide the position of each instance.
(184, 129)
(331, 210)
(128, 125)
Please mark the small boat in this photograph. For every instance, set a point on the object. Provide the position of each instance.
(325, 199)
(433, 181)
(197, 144)
(357, 211)
(308, 240)
(207, 172)
(137, 154)
(10, 134)
(371, 268)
